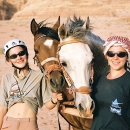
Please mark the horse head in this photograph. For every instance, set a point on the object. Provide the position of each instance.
(46, 41)
(77, 60)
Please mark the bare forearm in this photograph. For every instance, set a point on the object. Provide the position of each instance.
(53, 102)
(49, 105)
(3, 111)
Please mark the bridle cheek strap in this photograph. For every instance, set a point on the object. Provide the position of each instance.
(82, 89)
(67, 75)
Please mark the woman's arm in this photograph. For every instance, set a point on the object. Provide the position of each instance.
(53, 102)
(3, 96)
(3, 111)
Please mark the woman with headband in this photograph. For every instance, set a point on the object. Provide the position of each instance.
(111, 91)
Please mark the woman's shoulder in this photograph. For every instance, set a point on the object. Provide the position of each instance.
(127, 75)
(128, 72)
(8, 74)
(36, 73)
(103, 75)
(100, 78)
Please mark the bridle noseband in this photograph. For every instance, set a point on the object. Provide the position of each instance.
(50, 68)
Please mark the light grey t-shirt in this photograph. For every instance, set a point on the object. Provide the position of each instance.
(32, 89)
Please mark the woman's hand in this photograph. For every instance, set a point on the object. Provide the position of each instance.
(56, 97)
(52, 103)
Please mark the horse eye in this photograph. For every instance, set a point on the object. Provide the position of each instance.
(36, 51)
(64, 64)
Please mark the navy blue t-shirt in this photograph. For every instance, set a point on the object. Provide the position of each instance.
(112, 103)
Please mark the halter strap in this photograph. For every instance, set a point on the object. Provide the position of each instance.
(49, 59)
(67, 42)
(84, 90)
(51, 68)
(54, 67)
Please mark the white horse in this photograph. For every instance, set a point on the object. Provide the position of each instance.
(82, 60)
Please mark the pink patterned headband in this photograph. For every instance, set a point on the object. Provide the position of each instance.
(118, 41)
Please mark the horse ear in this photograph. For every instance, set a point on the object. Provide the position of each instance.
(88, 23)
(62, 32)
(57, 24)
(34, 27)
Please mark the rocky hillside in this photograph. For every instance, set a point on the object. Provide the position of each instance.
(19, 9)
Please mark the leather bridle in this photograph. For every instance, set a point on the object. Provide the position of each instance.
(82, 89)
(50, 68)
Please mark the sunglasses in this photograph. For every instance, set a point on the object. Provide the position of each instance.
(21, 53)
(119, 54)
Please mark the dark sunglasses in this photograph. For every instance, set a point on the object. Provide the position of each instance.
(119, 54)
(21, 53)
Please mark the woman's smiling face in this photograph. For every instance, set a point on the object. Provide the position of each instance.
(19, 61)
(116, 62)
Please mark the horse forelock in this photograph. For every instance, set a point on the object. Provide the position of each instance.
(72, 24)
(49, 32)
(75, 28)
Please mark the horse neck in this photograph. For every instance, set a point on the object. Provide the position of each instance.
(100, 63)
(95, 38)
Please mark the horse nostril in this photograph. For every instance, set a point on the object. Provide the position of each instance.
(52, 82)
(80, 107)
(59, 82)
(62, 81)
(92, 106)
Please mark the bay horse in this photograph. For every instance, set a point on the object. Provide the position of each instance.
(81, 57)
(46, 41)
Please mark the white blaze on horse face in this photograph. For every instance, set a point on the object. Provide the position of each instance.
(78, 57)
(48, 43)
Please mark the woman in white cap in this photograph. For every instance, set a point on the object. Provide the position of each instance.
(22, 91)
(111, 91)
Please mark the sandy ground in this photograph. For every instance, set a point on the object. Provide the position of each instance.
(103, 26)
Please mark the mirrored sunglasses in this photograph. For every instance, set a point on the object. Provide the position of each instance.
(119, 54)
(21, 53)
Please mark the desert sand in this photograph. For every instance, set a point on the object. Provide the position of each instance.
(103, 24)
